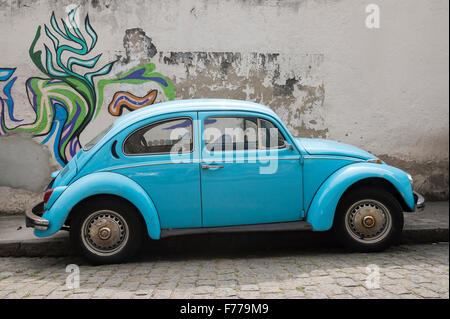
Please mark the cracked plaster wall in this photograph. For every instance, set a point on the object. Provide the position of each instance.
(312, 61)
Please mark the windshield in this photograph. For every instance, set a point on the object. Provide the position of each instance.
(97, 138)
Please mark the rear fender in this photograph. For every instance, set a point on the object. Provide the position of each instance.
(105, 183)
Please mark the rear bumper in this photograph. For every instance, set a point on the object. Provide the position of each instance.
(33, 217)
(419, 202)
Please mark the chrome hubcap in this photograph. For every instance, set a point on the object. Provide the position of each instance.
(368, 221)
(104, 232)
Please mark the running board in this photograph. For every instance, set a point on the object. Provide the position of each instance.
(286, 226)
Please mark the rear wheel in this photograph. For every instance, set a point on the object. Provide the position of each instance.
(368, 219)
(106, 231)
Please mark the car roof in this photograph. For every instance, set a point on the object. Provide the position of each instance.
(193, 105)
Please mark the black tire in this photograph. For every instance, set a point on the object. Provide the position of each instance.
(353, 204)
(120, 215)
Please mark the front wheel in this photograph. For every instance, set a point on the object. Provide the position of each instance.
(106, 231)
(368, 219)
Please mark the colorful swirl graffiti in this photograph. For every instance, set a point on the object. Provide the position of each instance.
(5, 75)
(127, 100)
(69, 97)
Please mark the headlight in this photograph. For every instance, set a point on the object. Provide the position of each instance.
(410, 179)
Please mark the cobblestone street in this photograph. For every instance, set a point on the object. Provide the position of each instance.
(407, 271)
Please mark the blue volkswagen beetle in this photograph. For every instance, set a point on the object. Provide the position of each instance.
(203, 166)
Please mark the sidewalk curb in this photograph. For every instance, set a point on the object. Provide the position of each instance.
(422, 236)
(55, 247)
(61, 247)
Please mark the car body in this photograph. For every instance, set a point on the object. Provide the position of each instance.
(216, 182)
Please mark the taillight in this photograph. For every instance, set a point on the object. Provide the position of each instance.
(47, 195)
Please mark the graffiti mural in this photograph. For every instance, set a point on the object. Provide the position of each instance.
(5, 75)
(138, 75)
(71, 93)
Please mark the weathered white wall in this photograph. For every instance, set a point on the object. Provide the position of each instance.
(313, 61)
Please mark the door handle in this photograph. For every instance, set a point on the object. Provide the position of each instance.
(212, 166)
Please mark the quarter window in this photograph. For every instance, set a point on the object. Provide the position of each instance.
(270, 135)
(171, 136)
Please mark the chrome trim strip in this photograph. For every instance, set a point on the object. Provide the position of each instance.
(146, 164)
(193, 162)
(334, 157)
(267, 227)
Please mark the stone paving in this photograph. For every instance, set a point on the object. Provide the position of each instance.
(407, 271)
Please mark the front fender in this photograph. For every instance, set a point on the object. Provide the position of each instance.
(323, 206)
(96, 184)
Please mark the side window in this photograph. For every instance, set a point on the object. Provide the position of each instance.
(270, 135)
(169, 136)
(230, 133)
(241, 133)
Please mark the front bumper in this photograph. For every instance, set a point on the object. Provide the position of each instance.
(419, 202)
(33, 217)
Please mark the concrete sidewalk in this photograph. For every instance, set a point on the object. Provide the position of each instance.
(431, 225)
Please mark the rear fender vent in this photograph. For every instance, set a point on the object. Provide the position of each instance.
(113, 149)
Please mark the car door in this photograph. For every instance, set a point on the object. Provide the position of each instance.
(244, 179)
(162, 156)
